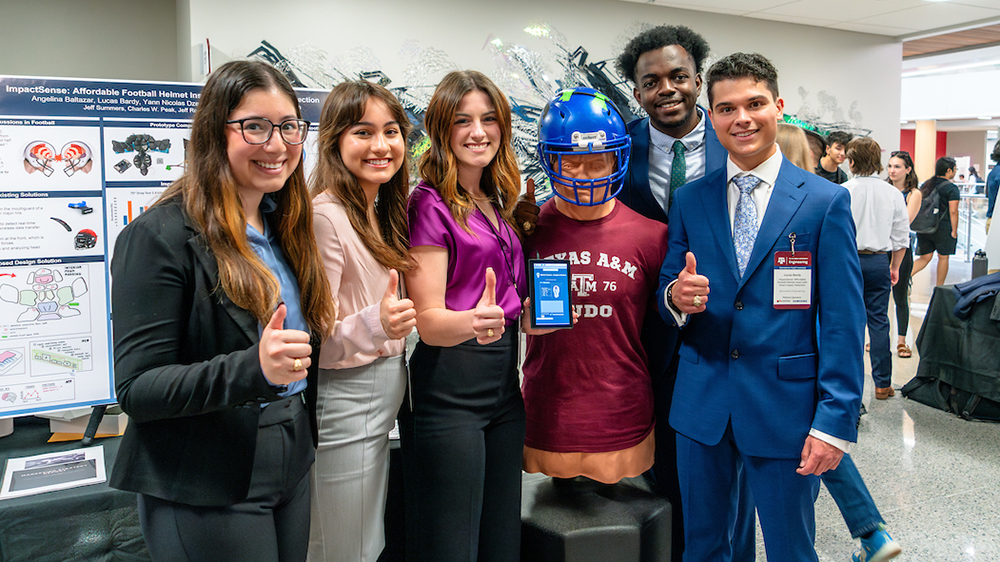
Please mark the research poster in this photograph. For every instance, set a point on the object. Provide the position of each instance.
(79, 160)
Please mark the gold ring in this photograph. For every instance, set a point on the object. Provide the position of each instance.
(489, 332)
(696, 301)
(297, 365)
(527, 225)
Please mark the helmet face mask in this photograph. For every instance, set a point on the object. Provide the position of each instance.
(579, 123)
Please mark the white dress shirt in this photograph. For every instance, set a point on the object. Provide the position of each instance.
(880, 215)
(661, 159)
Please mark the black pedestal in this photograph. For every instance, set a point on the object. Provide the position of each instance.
(589, 521)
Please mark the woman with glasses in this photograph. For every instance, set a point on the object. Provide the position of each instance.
(462, 440)
(360, 187)
(903, 178)
(219, 294)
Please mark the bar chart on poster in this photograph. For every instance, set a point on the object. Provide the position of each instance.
(79, 161)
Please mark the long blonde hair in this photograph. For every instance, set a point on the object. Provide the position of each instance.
(794, 146)
(344, 107)
(439, 167)
(211, 199)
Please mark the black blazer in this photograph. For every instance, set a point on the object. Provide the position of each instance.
(187, 370)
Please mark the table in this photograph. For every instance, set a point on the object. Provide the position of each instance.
(93, 523)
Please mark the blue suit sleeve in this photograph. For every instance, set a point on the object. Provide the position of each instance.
(841, 310)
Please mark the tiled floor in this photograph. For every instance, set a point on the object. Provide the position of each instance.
(934, 477)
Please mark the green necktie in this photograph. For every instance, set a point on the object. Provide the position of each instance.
(678, 170)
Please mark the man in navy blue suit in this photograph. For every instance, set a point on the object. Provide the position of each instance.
(776, 247)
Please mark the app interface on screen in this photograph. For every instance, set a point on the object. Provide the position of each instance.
(551, 294)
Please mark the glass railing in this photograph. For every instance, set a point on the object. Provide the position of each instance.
(971, 222)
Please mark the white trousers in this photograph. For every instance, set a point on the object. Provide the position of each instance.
(355, 410)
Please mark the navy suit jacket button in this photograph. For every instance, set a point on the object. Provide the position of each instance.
(735, 354)
(739, 305)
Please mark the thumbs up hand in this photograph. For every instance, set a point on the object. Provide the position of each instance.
(526, 211)
(487, 317)
(397, 315)
(284, 354)
(690, 292)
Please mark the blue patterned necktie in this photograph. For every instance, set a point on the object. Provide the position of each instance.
(678, 170)
(745, 224)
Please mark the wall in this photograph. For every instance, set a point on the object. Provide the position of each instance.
(114, 39)
(971, 144)
(842, 76)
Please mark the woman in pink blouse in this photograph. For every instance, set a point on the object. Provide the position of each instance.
(360, 187)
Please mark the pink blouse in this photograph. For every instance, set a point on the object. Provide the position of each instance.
(357, 282)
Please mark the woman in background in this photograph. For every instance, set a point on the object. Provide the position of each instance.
(360, 187)
(462, 440)
(903, 178)
(217, 290)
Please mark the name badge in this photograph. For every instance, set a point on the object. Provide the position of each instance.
(792, 280)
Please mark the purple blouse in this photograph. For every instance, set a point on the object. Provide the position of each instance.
(431, 224)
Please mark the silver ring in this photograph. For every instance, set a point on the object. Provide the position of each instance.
(696, 301)
(297, 365)
(489, 332)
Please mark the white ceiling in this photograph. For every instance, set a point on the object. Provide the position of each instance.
(902, 19)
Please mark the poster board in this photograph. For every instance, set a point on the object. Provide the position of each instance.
(79, 160)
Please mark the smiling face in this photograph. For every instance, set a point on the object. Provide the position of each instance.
(475, 134)
(372, 149)
(667, 87)
(745, 116)
(837, 152)
(261, 168)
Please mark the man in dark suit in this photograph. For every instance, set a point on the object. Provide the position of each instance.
(675, 144)
(776, 247)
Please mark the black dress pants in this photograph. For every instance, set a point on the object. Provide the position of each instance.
(271, 524)
(462, 447)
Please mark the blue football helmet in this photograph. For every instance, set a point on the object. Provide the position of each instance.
(583, 121)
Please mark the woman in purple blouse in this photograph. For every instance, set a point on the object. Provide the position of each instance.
(464, 431)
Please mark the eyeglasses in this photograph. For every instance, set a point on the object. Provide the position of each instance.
(258, 130)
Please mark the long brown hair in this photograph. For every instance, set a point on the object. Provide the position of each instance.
(211, 198)
(345, 107)
(439, 167)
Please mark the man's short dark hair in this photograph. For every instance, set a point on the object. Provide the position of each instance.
(944, 164)
(657, 38)
(865, 156)
(841, 137)
(743, 65)
(996, 153)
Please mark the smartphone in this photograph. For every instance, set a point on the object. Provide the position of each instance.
(551, 298)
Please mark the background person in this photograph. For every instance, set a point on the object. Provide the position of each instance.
(882, 235)
(590, 407)
(217, 288)
(463, 439)
(902, 176)
(360, 187)
(945, 240)
(835, 155)
(992, 185)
